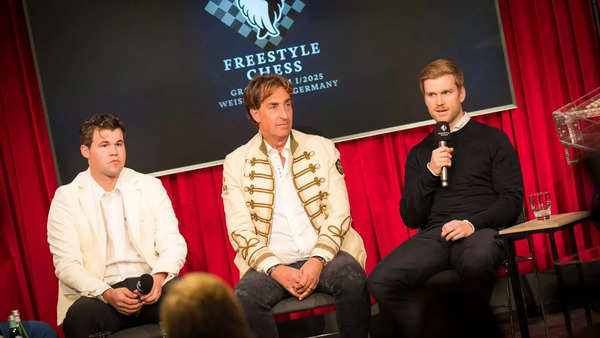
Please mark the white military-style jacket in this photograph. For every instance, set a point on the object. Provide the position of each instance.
(77, 235)
(249, 194)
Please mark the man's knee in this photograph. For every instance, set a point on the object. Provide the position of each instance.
(484, 255)
(242, 293)
(356, 278)
(346, 275)
(84, 316)
(482, 261)
(384, 281)
(345, 265)
(478, 274)
(84, 309)
(255, 289)
(376, 282)
(478, 263)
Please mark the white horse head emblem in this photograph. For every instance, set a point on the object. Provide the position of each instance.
(262, 15)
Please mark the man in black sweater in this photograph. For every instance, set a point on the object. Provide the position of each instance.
(458, 223)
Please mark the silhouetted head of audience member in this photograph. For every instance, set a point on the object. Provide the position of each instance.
(202, 305)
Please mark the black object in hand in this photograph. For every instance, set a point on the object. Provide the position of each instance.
(144, 284)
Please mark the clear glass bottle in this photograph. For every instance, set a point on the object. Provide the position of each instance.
(17, 317)
(13, 328)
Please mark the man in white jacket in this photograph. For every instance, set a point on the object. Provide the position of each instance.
(107, 228)
(288, 217)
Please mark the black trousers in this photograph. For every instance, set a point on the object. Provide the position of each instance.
(91, 315)
(342, 277)
(395, 279)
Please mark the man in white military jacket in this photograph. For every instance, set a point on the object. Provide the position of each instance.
(288, 217)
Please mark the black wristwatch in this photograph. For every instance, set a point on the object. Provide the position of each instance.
(320, 258)
(271, 269)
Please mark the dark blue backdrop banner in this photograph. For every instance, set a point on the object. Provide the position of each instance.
(175, 71)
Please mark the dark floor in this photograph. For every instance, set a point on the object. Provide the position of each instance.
(533, 291)
(555, 323)
(556, 326)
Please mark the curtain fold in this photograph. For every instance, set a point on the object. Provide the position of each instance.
(553, 56)
(554, 59)
(27, 176)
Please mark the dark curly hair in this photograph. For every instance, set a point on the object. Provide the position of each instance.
(99, 121)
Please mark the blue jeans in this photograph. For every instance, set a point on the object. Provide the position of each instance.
(342, 277)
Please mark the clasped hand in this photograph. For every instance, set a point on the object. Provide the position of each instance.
(300, 283)
(128, 302)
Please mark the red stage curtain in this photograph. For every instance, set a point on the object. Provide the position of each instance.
(27, 177)
(554, 58)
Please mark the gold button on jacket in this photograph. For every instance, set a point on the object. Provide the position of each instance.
(249, 194)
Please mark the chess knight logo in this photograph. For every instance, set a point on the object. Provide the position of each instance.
(263, 15)
(264, 23)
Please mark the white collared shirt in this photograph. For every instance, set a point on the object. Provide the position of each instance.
(461, 123)
(122, 259)
(292, 235)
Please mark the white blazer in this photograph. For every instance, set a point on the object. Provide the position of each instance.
(78, 239)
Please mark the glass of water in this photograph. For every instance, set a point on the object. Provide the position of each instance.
(540, 205)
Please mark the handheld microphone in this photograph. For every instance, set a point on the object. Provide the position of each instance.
(144, 284)
(442, 135)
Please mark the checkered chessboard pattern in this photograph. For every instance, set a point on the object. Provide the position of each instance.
(230, 15)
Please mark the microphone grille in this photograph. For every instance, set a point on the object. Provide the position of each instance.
(145, 284)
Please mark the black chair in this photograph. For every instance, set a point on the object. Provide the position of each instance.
(291, 304)
(451, 277)
(314, 301)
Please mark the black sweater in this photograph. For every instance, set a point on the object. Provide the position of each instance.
(485, 185)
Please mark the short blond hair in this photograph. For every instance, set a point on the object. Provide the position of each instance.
(202, 305)
(441, 67)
